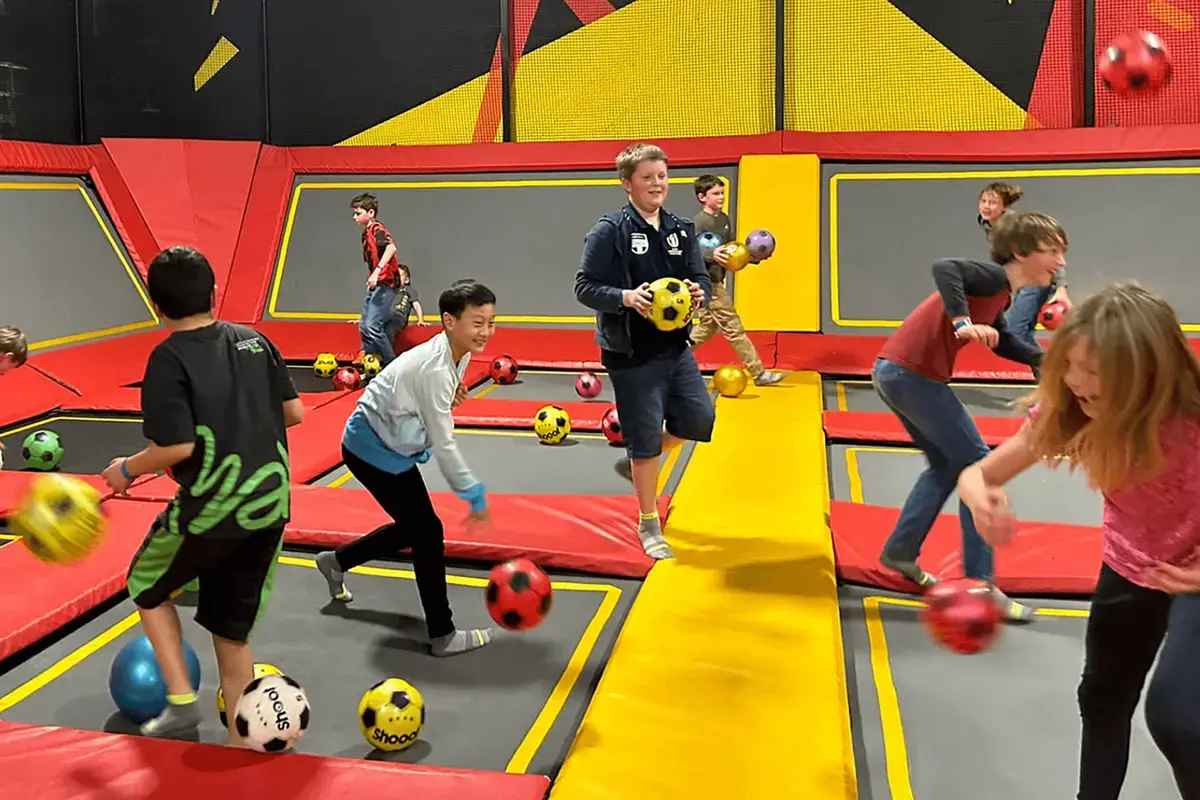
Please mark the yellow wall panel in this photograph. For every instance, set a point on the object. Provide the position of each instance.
(656, 68)
(783, 195)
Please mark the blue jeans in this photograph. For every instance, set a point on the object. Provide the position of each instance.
(939, 425)
(666, 389)
(373, 323)
(1022, 315)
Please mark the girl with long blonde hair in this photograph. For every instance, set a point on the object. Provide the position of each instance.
(1120, 399)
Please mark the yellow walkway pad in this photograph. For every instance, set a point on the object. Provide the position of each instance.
(728, 678)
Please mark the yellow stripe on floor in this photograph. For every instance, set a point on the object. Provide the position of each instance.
(728, 678)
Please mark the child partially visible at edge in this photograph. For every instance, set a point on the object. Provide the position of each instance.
(720, 314)
(1120, 399)
(14, 350)
(383, 280)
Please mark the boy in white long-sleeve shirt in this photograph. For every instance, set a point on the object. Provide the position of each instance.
(404, 417)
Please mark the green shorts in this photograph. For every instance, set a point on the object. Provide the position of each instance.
(235, 574)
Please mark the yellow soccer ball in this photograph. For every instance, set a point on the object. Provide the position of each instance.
(391, 715)
(371, 365)
(259, 671)
(671, 304)
(325, 365)
(59, 519)
(552, 424)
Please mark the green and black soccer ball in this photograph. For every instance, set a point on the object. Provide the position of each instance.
(42, 450)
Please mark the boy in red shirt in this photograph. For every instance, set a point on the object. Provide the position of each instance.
(379, 251)
(913, 370)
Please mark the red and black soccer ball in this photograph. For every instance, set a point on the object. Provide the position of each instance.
(347, 378)
(1135, 64)
(611, 425)
(518, 595)
(503, 370)
(961, 615)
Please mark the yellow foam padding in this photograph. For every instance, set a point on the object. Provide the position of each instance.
(728, 678)
(781, 194)
(897, 78)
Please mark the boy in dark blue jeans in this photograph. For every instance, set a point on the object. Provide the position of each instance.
(379, 251)
(915, 366)
(661, 397)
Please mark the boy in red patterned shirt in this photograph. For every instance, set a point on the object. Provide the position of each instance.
(379, 251)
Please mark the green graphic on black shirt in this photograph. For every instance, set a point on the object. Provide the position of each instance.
(224, 493)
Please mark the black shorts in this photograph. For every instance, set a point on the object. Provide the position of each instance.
(235, 575)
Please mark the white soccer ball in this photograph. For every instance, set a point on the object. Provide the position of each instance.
(272, 714)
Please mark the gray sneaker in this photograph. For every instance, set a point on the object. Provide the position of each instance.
(909, 569)
(1011, 609)
(769, 378)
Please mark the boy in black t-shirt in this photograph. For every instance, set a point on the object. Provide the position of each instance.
(407, 301)
(216, 402)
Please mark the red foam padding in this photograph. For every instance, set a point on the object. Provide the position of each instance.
(717, 351)
(14, 483)
(834, 354)
(1044, 558)
(28, 392)
(67, 764)
(52, 595)
(1073, 144)
(315, 445)
(880, 426)
(486, 412)
(258, 241)
(103, 365)
(510, 157)
(586, 533)
(124, 399)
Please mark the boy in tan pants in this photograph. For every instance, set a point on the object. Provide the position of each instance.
(719, 314)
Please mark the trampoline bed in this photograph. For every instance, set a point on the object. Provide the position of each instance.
(511, 706)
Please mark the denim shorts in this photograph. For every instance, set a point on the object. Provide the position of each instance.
(666, 389)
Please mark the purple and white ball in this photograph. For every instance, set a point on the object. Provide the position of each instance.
(760, 244)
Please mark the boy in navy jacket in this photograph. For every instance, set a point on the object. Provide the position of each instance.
(661, 397)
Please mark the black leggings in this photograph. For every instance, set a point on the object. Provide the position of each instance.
(404, 497)
(1125, 629)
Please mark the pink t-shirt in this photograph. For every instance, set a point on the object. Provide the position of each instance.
(1159, 519)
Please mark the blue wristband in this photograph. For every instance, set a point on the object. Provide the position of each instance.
(962, 323)
(124, 472)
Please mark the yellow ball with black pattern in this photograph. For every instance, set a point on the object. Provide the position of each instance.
(260, 670)
(371, 365)
(59, 519)
(552, 424)
(391, 715)
(671, 304)
(325, 365)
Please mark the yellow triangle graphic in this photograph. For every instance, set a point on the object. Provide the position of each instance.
(448, 118)
(899, 79)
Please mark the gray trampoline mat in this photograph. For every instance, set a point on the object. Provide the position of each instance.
(307, 381)
(515, 462)
(999, 725)
(980, 399)
(888, 474)
(480, 705)
(89, 442)
(551, 387)
(102, 290)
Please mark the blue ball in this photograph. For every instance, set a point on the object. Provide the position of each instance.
(709, 242)
(136, 683)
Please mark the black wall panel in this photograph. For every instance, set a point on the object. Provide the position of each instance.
(139, 59)
(39, 78)
(338, 67)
